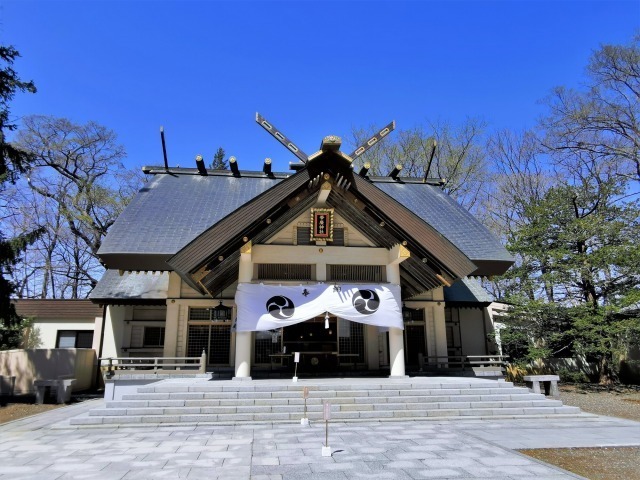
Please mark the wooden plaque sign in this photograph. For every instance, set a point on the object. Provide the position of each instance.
(322, 224)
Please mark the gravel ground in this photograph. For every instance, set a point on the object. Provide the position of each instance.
(15, 411)
(598, 463)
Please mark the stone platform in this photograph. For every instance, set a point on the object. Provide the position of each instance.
(231, 402)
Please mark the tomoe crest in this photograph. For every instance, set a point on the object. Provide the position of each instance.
(280, 307)
(366, 302)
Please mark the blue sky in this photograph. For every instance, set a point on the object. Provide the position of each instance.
(203, 68)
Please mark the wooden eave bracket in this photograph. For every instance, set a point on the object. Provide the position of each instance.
(323, 194)
(398, 253)
(200, 273)
(246, 248)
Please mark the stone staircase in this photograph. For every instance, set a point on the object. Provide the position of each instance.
(228, 402)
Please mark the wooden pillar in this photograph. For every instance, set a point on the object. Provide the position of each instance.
(173, 312)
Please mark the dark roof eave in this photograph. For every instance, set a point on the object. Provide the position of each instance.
(490, 268)
(129, 301)
(458, 304)
(156, 262)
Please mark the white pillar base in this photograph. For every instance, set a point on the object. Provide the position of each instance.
(396, 352)
(243, 355)
(326, 451)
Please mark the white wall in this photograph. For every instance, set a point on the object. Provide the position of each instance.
(473, 337)
(45, 331)
(48, 364)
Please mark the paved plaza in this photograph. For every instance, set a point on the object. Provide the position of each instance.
(47, 447)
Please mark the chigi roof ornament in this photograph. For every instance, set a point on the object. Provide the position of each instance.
(330, 143)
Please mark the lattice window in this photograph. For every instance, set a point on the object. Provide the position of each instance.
(413, 314)
(303, 236)
(338, 237)
(213, 339)
(351, 341)
(266, 343)
(215, 314)
(361, 273)
(284, 271)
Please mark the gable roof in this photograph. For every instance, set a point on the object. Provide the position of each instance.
(172, 210)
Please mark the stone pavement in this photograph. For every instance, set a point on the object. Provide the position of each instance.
(47, 448)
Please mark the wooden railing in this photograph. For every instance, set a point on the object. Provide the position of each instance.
(465, 362)
(110, 365)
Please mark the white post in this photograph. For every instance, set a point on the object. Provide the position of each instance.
(396, 350)
(396, 335)
(439, 323)
(243, 339)
(243, 355)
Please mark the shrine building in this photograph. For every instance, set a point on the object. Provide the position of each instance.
(357, 273)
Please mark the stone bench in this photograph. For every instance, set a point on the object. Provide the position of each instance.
(62, 384)
(549, 382)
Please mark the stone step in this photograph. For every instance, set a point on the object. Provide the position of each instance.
(131, 401)
(231, 386)
(233, 402)
(288, 394)
(232, 409)
(249, 417)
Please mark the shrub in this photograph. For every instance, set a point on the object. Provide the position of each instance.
(572, 376)
(515, 373)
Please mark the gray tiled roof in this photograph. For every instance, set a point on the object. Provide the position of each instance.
(173, 209)
(467, 290)
(444, 214)
(131, 286)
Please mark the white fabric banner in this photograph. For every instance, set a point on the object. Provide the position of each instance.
(265, 307)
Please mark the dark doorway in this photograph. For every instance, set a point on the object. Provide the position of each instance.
(318, 346)
(415, 339)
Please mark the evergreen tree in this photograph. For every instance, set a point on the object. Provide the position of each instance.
(219, 163)
(13, 162)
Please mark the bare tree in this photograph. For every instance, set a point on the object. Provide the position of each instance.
(602, 120)
(76, 190)
(459, 158)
